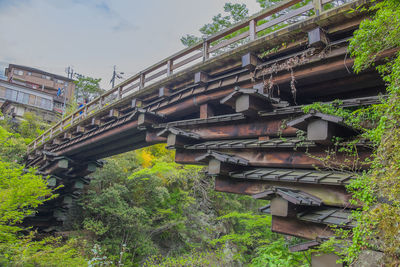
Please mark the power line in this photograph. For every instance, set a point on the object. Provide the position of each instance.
(116, 75)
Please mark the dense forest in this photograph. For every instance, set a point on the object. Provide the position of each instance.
(143, 209)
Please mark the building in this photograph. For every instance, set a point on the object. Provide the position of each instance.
(16, 99)
(59, 88)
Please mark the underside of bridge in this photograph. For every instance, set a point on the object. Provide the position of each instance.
(241, 115)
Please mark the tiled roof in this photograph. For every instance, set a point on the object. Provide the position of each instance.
(226, 158)
(335, 216)
(179, 132)
(296, 175)
(296, 197)
(252, 143)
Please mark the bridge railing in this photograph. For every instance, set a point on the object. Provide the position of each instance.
(265, 22)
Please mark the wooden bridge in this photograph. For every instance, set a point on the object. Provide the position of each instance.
(234, 102)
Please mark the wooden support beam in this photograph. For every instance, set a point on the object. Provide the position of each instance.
(57, 141)
(249, 105)
(164, 92)
(206, 111)
(147, 119)
(216, 167)
(94, 123)
(79, 130)
(333, 195)
(284, 158)
(67, 136)
(317, 37)
(153, 138)
(201, 78)
(57, 167)
(302, 229)
(242, 129)
(250, 61)
(283, 208)
(47, 146)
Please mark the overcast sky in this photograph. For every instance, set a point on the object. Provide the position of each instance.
(93, 35)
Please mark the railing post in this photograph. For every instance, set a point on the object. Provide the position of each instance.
(101, 101)
(72, 119)
(141, 82)
(51, 132)
(317, 6)
(206, 46)
(120, 92)
(85, 111)
(252, 29)
(169, 67)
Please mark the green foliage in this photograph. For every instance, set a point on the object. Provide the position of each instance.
(251, 234)
(49, 251)
(87, 88)
(234, 13)
(378, 190)
(21, 192)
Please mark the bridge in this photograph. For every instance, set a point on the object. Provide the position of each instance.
(234, 102)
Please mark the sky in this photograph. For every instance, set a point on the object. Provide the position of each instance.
(92, 36)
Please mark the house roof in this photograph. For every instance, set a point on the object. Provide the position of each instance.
(10, 66)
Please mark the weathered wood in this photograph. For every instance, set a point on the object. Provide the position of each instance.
(206, 111)
(57, 141)
(329, 194)
(286, 158)
(250, 61)
(317, 37)
(187, 60)
(249, 105)
(67, 136)
(284, 17)
(79, 130)
(164, 92)
(283, 208)
(200, 78)
(294, 227)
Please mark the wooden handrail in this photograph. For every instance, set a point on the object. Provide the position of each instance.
(204, 49)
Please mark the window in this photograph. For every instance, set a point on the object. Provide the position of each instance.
(20, 97)
(38, 101)
(18, 72)
(29, 73)
(60, 82)
(25, 99)
(11, 95)
(32, 99)
(2, 92)
(45, 103)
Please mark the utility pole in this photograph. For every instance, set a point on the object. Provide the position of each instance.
(70, 72)
(116, 75)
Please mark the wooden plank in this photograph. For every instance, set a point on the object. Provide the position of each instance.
(294, 227)
(285, 17)
(329, 194)
(229, 41)
(206, 111)
(187, 60)
(156, 75)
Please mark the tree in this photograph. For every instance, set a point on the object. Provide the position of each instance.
(87, 88)
(235, 13)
